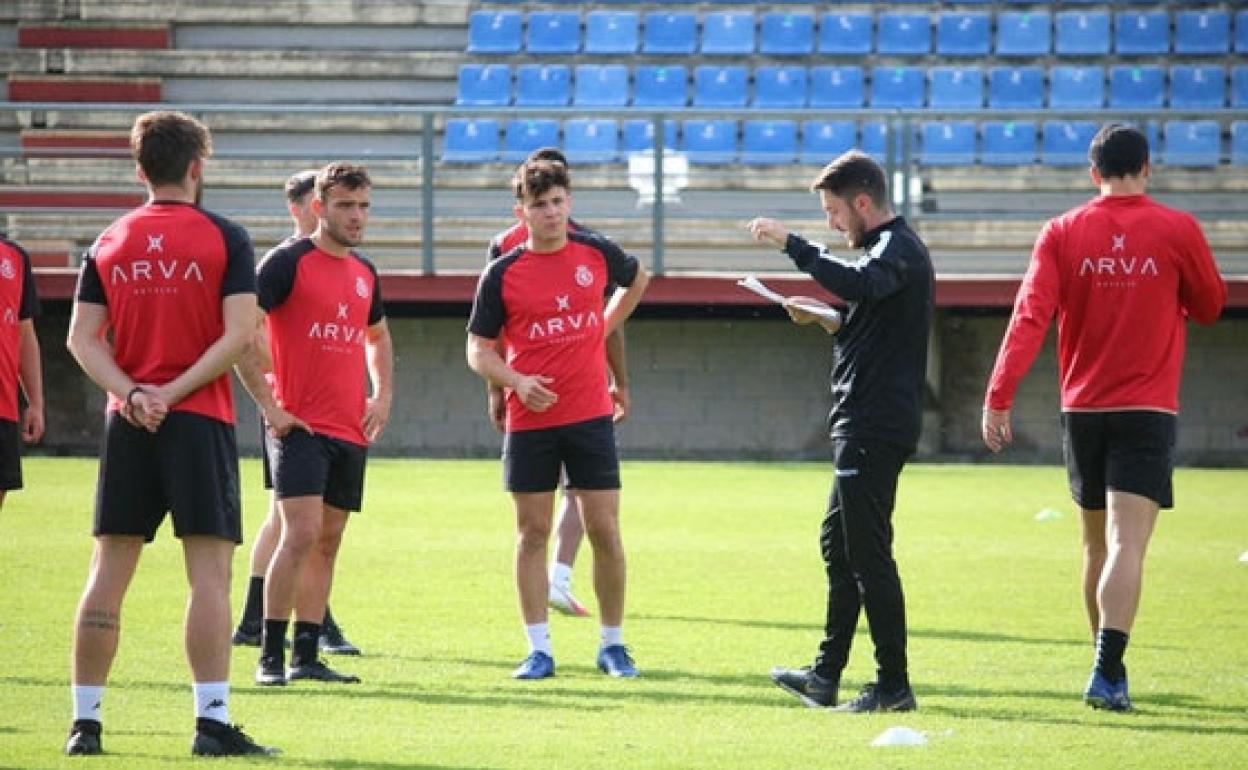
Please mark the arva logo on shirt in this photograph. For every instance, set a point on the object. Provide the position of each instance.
(150, 270)
(566, 322)
(1118, 264)
(333, 331)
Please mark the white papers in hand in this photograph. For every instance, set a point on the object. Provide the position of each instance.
(752, 283)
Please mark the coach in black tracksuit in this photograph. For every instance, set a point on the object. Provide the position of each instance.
(878, 372)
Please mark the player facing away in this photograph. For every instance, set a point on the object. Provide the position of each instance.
(546, 299)
(879, 363)
(1122, 274)
(20, 366)
(169, 444)
(298, 191)
(569, 531)
(327, 334)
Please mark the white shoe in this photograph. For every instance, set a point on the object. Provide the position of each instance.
(561, 599)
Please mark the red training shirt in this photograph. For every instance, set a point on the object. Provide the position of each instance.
(1122, 273)
(17, 303)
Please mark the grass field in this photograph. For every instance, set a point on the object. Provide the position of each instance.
(725, 582)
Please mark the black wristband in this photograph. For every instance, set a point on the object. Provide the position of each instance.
(130, 395)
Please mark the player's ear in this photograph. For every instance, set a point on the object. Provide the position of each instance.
(139, 175)
(317, 205)
(1095, 176)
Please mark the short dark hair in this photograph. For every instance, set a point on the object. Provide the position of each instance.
(537, 177)
(164, 143)
(300, 184)
(341, 174)
(852, 174)
(1118, 151)
(553, 154)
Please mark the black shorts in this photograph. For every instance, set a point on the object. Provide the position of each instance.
(1130, 451)
(532, 459)
(10, 456)
(189, 467)
(314, 465)
(265, 441)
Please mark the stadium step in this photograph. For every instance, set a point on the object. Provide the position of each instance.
(93, 35)
(54, 88)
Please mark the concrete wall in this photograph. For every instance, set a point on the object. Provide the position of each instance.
(743, 388)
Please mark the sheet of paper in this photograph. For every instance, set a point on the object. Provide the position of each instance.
(751, 283)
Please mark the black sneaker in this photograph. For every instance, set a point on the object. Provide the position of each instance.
(84, 738)
(217, 739)
(271, 672)
(333, 642)
(811, 689)
(247, 634)
(872, 699)
(318, 671)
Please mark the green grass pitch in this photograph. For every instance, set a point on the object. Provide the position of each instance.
(724, 580)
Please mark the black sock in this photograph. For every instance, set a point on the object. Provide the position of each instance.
(253, 610)
(328, 623)
(303, 650)
(1111, 644)
(273, 643)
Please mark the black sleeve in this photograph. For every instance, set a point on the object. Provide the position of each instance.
(881, 272)
(240, 266)
(377, 309)
(30, 298)
(494, 250)
(488, 314)
(621, 267)
(90, 287)
(275, 277)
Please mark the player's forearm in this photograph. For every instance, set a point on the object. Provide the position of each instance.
(251, 370)
(616, 358)
(30, 375)
(483, 358)
(625, 301)
(381, 365)
(95, 358)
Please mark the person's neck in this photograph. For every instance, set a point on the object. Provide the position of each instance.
(547, 246)
(1123, 185)
(876, 217)
(329, 245)
(170, 192)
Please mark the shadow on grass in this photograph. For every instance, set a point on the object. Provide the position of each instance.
(1143, 720)
(341, 764)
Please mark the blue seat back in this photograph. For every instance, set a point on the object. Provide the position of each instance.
(720, 86)
(1192, 143)
(1138, 33)
(611, 32)
(660, 86)
(824, 140)
(1082, 33)
(1137, 87)
(470, 140)
(837, 87)
(963, 34)
(777, 87)
(591, 140)
(786, 34)
(899, 87)
(728, 33)
(904, 34)
(1008, 143)
(845, 33)
(1239, 143)
(956, 88)
(1197, 86)
(1076, 88)
(484, 85)
(768, 142)
(669, 33)
(495, 32)
(710, 141)
(1065, 142)
(553, 32)
(1018, 88)
(601, 85)
(1202, 32)
(947, 143)
(638, 135)
(1024, 33)
(543, 85)
(525, 136)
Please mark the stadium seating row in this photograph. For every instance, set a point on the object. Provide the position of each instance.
(1196, 32)
(1184, 86)
(602, 140)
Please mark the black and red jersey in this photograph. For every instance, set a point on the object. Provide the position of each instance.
(162, 271)
(548, 309)
(18, 302)
(1122, 274)
(319, 309)
(518, 233)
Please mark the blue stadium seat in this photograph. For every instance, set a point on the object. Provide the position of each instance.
(1241, 32)
(768, 142)
(670, 33)
(836, 87)
(780, 87)
(963, 34)
(1139, 33)
(1016, 88)
(591, 140)
(470, 140)
(955, 88)
(904, 34)
(638, 135)
(1076, 88)
(1137, 87)
(1008, 143)
(845, 33)
(875, 139)
(1065, 142)
(553, 32)
(1239, 143)
(1082, 33)
(1239, 87)
(1202, 32)
(1024, 33)
(484, 85)
(1197, 87)
(710, 141)
(824, 140)
(715, 86)
(525, 136)
(495, 32)
(601, 85)
(786, 34)
(611, 32)
(728, 33)
(655, 86)
(1192, 143)
(543, 85)
(900, 87)
(947, 143)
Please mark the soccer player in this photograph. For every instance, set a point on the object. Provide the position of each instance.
(169, 441)
(1122, 274)
(327, 331)
(879, 362)
(569, 531)
(546, 297)
(298, 191)
(20, 366)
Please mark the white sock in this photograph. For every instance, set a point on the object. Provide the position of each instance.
(561, 574)
(612, 635)
(539, 637)
(87, 699)
(212, 701)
